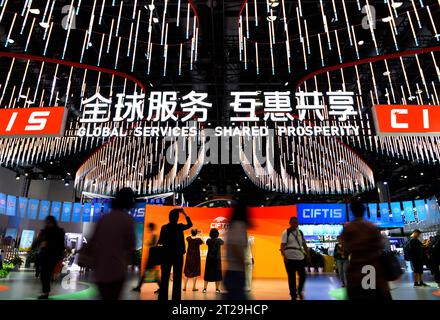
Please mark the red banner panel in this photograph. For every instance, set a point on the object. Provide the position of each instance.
(31, 122)
(404, 120)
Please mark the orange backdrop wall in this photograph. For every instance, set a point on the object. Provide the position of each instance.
(267, 225)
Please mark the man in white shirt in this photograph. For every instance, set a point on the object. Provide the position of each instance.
(294, 251)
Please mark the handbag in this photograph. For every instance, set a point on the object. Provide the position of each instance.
(156, 256)
(86, 256)
(391, 266)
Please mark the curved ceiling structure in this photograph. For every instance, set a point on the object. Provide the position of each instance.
(276, 30)
(385, 52)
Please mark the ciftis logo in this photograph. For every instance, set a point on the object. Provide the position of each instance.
(22, 122)
(222, 224)
(399, 120)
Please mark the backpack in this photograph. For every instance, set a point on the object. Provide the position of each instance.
(407, 250)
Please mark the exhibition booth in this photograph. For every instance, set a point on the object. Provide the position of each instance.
(320, 223)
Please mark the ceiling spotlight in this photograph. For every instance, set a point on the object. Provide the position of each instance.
(26, 174)
(11, 41)
(386, 73)
(387, 19)
(421, 173)
(68, 173)
(274, 3)
(361, 42)
(286, 84)
(155, 20)
(239, 190)
(271, 18)
(44, 25)
(397, 4)
(66, 183)
(44, 177)
(34, 11)
(151, 7)
(385, 183)
(17, 176)
(51, 162)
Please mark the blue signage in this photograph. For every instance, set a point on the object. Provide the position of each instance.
(44, 209)
(22, 206)
(2, 203)
(32, 209)
(11, 232)
(384, 212)
(106, 207)
(138, 212)
(396, 212)
(433, 211)
(27, 237)
(87, 211)
(421, 209)
(324, 213)
(67, 209)
(97, 211)
(408, 209)
(76, 213)
(56, 209)
(11, 205)
(372, 207)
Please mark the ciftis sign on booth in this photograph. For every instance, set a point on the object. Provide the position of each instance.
(406, 120)
(321, 213)
(22, 122)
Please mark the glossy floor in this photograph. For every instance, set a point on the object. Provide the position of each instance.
(23, 285)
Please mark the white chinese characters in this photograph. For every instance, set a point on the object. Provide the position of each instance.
(246, 106)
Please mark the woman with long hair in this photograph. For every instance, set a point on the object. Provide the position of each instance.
(192, 262)
(213, 266)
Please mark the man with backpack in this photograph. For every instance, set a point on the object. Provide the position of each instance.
(434, 251)
(413, 252)
(295, 253)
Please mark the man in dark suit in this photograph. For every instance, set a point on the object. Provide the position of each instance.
(172, 239)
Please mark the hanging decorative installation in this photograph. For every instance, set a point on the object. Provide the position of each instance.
(73, 54)
(388, 82)
(306, 165)
(278, 28)
(56, 85)
(150, 165)
(128, 36)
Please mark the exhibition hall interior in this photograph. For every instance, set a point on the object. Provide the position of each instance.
(295, 141)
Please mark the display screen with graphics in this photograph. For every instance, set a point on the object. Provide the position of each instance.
(2, 203)
(265, 232)
(27, 237)
(22, 204)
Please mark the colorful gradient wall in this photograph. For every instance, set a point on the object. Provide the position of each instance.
(267, 225)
